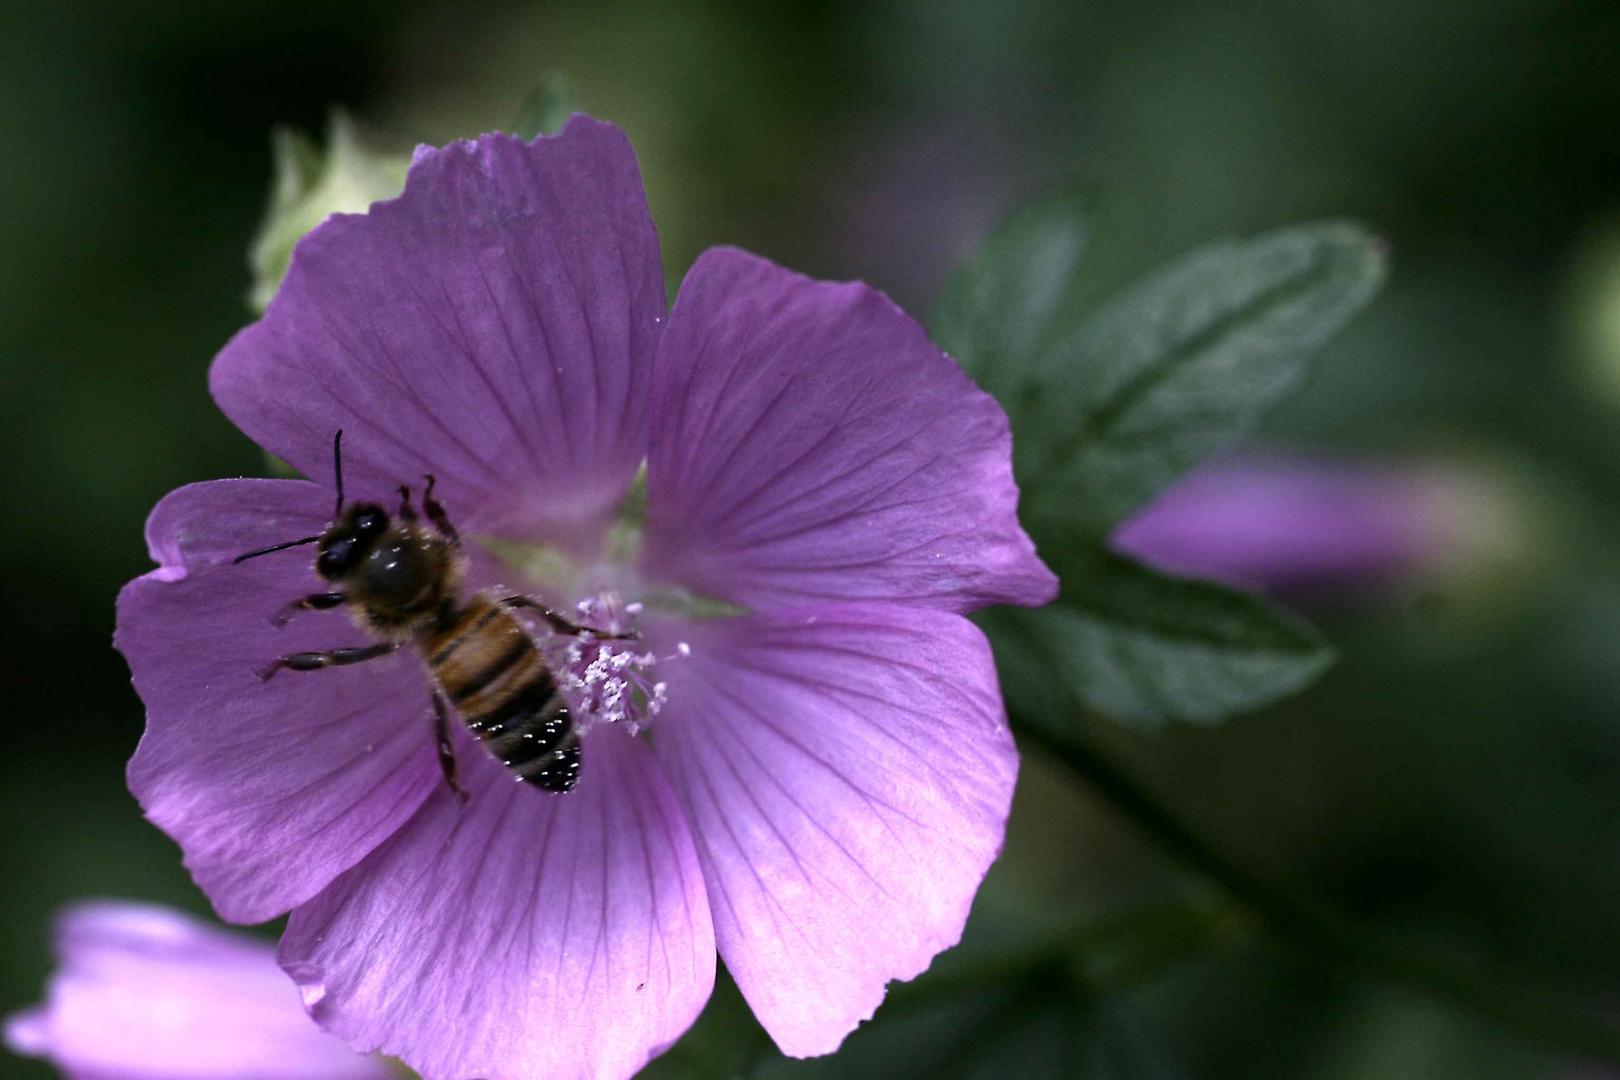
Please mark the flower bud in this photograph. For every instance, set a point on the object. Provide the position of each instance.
(1345, 529)
(308, 187)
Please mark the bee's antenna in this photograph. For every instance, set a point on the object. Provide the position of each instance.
(337, 468)
(274, 547)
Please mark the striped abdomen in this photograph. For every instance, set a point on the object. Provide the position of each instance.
(488, 667)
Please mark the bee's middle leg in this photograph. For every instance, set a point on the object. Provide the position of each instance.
(312, 661)
(447, 751)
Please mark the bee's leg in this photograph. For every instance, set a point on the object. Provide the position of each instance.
(561, 623)
(311, 661)
(436, 514)
(447, 752)
(407, 512)
(320, 601)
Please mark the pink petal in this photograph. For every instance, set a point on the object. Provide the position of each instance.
(523, 935)
(271, 789)
(144, 993)
(494, 325)
(810, 443)
(847, 772)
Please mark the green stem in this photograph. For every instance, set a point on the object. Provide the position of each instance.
(1145, 944)
(1104, 957)
(1510, 999)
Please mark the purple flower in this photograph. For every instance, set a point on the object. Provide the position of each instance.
(828, 774)
(145, 993)
(1303, 524)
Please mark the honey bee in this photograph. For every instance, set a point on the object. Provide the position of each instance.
(401, 581)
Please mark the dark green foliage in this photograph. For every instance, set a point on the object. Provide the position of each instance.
(1143, 647)
(1112, 404)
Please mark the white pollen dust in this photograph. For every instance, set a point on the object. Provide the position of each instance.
(606, 679)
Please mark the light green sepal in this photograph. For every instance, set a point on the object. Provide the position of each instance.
(553, 569)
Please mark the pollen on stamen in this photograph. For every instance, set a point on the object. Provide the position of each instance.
(608, 680)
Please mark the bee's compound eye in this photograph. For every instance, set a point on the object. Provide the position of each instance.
(337, 558)
(371, 522)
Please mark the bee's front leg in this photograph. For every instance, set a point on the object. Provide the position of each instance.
(436, 514)
(561, 623)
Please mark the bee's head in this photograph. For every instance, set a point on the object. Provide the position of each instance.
(347, 540)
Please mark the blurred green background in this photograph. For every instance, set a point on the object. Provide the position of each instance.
(1454, 776)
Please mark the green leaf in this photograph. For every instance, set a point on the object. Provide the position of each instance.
(1148, 649)
(997, 312)
(545, 110)
(1110, 407)
(1184, 363)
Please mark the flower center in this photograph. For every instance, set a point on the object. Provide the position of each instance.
(609, 680)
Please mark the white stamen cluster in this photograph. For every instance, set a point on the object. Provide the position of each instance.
(609, 681)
